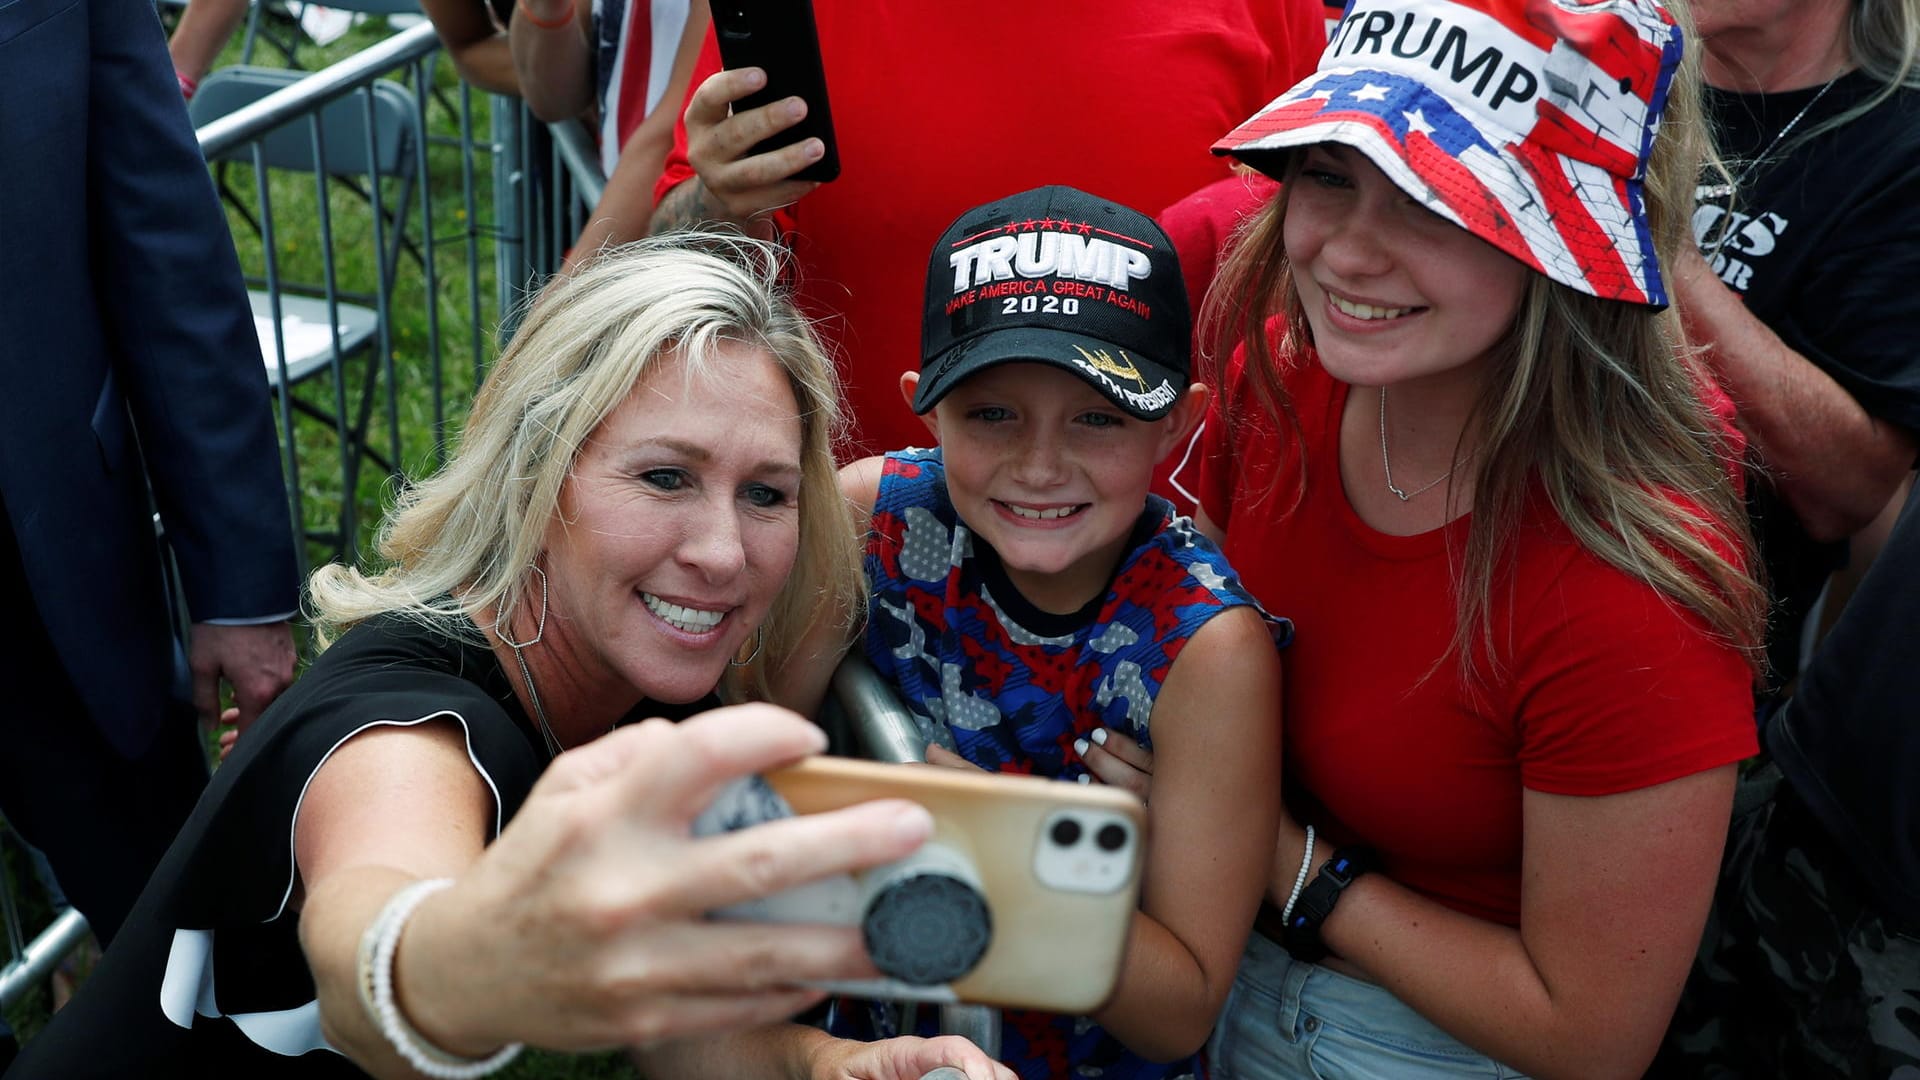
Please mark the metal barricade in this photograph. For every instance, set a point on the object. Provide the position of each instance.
(363, 300)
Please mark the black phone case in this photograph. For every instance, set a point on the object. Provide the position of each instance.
(778, 36)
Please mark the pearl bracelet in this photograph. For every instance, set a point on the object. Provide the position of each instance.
(377, 948)
(1299, 879)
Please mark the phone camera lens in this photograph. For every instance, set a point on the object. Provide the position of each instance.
(1111, 838)
(1066, 832)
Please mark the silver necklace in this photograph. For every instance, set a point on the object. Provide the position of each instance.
(1746, 173)
(1386, 463)
(533, 692)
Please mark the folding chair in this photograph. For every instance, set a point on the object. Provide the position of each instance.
(309, 328)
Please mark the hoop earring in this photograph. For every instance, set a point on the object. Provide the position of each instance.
(759, 642)
(540, 627)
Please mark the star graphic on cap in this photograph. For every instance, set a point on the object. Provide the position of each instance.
(1085, 229)
(1370, 92)
(1047, 223)
(1417, 122)
(1321, 94)
(1011, 227)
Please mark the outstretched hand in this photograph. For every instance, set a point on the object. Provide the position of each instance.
(583, 926)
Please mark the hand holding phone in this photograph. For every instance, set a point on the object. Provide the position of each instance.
(1024, 896)
(759, 135)
(779, 38)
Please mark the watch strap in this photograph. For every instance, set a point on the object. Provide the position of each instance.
(1317, 900)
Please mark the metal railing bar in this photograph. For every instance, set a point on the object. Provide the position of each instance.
(557, 237)
(336, 360)
(317, 89)
(281, 382)
(41, 955)
(575, 146)
(470, 206)
(387, 265)
(437, 452)
(510, 183)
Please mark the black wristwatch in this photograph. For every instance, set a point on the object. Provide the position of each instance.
(1302, 936)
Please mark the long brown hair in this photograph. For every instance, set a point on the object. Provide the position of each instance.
(1594, 402)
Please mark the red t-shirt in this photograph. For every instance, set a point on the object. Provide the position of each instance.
(1605, 686)
(940, 107)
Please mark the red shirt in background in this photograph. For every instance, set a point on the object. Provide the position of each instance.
(940, 107)
(1605, 687)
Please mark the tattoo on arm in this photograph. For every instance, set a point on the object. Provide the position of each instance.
(684, 207)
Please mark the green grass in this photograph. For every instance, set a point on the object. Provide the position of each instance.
(299, 246)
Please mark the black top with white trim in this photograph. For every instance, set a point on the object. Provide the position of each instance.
(207, 978)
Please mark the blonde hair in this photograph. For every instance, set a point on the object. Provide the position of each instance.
(1596, 401)
(463, 540)
(1883, 41)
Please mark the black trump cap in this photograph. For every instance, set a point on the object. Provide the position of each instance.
(1057, 276)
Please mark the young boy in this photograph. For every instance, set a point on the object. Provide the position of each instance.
(1029, 594)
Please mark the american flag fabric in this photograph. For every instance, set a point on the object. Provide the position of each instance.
(1526, 122)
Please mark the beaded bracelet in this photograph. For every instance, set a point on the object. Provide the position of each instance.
(1299, 879)
(377, 948)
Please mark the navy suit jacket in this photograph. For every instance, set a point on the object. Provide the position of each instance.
(128, 358)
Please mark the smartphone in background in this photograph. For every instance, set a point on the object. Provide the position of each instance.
(778, 36)
(1023, 898)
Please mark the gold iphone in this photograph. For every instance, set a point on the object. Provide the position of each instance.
(1022, 898)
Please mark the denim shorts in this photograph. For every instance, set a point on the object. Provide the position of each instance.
(1289, 1019)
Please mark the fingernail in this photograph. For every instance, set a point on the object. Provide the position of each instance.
(796, 108)
(914, 824)
(815, 148)
(756, 78)
(1084, 778)
(1080, 747)
(1100, 736)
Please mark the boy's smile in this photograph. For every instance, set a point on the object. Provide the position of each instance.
(1050, 473)
(1041, 515)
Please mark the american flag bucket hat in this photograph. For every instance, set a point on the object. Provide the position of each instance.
(1526, 122)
